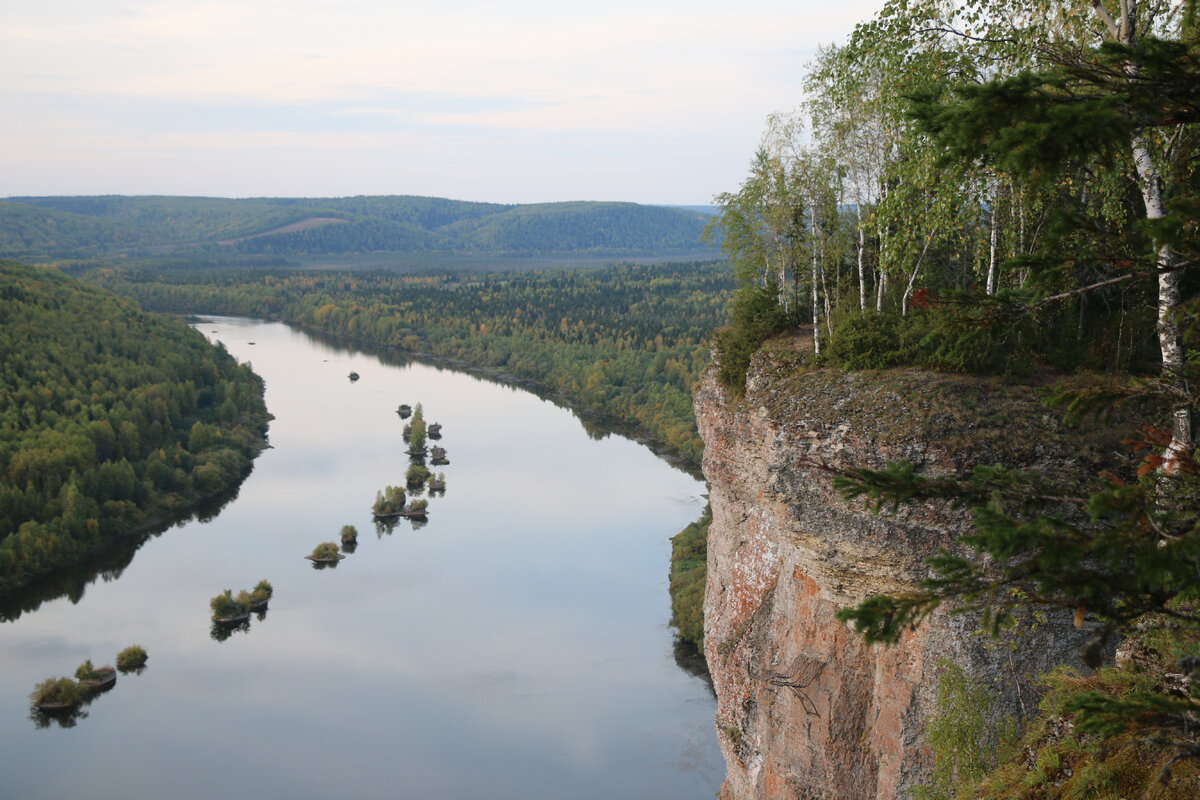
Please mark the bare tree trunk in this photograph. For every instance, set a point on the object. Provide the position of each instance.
(994, 195)
(816, 306)
(913, 277)
(828, 305)
(862, 245)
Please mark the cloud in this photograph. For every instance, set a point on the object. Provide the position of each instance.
(93, 74)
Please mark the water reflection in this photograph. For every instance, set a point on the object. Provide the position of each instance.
(597, 426)
(106, 565)
(221, 631)
(63, 717)
(519, 650)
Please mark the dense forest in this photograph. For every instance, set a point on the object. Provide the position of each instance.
(1013, 187)
(110, 418)
(625, 341)
(283, 230)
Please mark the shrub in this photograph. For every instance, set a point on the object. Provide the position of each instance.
(867, 341)
(57, 691)
(389, 501)
(225, 605)
(87, 672)
(756, 316)
(417, 476)
(325, 551)
(263, 590)
(132, 657)
(349, 534)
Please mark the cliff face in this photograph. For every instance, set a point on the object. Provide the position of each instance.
(805, 709)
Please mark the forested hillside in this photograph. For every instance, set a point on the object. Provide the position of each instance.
(233, 230)
(110, 417)
(624, 341)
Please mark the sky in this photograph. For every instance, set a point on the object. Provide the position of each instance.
(512, 102)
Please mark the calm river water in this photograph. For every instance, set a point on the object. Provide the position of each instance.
(515, 646)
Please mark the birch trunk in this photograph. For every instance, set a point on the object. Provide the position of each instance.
(816, 306)
(1170, 339)
(994, 195)
(862, 244)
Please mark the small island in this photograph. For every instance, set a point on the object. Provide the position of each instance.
(389, 502)
(438, 483)
(325, 553)
(95, 679)
(353, 376)
(405, 411)
(349, 534)
(228, 610)
(260, 595)
(415, 433)
(55, 695)
(435, 430)
(132, 658)
(416, 477)
(438, 457)
(418, 509)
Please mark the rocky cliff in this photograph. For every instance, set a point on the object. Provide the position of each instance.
(805, 709)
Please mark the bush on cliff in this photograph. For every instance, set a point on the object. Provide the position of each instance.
(756, 316)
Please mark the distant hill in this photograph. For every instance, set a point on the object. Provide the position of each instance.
(155, 227)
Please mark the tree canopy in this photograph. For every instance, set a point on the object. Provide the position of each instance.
(109, 417)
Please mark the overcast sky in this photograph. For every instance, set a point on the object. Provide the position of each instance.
(643, 100)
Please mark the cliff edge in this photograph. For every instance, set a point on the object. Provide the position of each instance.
(805, 709)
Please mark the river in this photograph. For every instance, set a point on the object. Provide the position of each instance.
(516, 645)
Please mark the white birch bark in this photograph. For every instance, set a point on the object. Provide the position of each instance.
(1170, 339)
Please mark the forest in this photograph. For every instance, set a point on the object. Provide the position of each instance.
(295, 231)
(626, 341)
(1011, 187)
(111, 418)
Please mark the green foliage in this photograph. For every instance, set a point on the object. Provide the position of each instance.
(389, 501)
(417, 431)
(627, 341)
(349, 534)
(225, 605)
(1117, 553)
(263, 590)
(57, 691)
(240, 230)
(132, 657)
(87, 672)
(109, 417)
(325, 551)
(416, 477)
(689, 553)
(966, 743)
(1061, 761)
(756, 316)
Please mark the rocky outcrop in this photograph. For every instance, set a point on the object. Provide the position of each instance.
(805, 709)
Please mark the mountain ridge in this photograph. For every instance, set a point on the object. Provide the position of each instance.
(99, 226)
